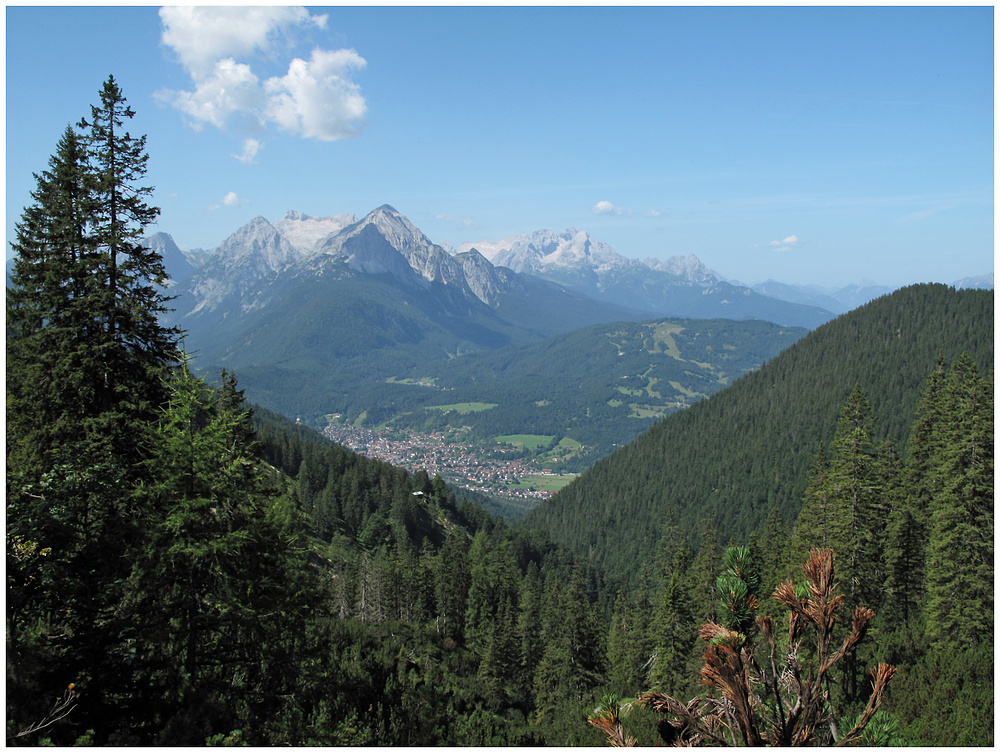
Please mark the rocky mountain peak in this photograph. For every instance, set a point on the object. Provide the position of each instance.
(480, 275)
(259, 244)
(689, 267)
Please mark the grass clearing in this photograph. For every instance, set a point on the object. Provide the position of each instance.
(527, 441)
(464, 408)
(422, 381)
(545, 481)
(663, 334)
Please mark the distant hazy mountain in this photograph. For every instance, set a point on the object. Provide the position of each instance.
(983, 282)
(180, 265)
(678, 286)
(849, 297)
(839, 301)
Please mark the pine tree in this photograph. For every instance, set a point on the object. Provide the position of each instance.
(705, 569)
(814, 525)
(48, 392)
(130, 298)
(529, 630)
(774, 557)
(625, 660)
(500, 663)
(855, 482)
(674, 631)
(960, 556)
(771, 694)
(79, 398)
(573, 659)
(217, 592)
(451, 587)
(494, 581)
(908, 531)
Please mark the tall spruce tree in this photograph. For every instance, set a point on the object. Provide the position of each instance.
(84, 370)
(908, 531)
(855, 482)
(129, 298)
(814, 525)
(216, 596)
(673, 630)
(48, 308)
(960, 556)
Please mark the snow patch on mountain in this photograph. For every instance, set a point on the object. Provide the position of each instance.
(305, 232)
(546, 252)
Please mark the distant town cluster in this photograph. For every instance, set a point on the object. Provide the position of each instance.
(461, 464)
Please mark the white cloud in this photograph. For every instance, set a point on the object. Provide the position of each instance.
(232, 87)
(251, 148)
(202, 35)
(317, 99)
(231, 199)
(652, 213)
(785, 245)
(217, 45)
(605, 207)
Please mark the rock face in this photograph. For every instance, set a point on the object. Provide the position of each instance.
(180, 265)
(254, 253)
(486, 281)
(364, 245)
(689, 267)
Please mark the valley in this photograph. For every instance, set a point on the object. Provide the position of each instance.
(517, 471)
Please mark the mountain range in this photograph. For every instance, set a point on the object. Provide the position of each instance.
(309, 310)
(386, 243)
(313, 306)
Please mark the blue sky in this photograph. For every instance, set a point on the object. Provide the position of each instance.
(807, 145)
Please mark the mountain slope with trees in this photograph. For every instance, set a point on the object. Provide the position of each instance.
(747, 449)
(600, 385)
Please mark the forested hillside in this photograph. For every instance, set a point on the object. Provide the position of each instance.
(746, 450)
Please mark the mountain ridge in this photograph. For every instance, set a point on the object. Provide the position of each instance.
(679, 286)
(746, 449)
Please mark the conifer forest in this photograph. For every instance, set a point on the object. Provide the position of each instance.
(185, 568)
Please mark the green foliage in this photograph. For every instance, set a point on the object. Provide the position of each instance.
(880, 732)
(739, 590)
(947, 697)
(960, 553)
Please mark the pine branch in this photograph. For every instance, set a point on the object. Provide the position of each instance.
(59, 711)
